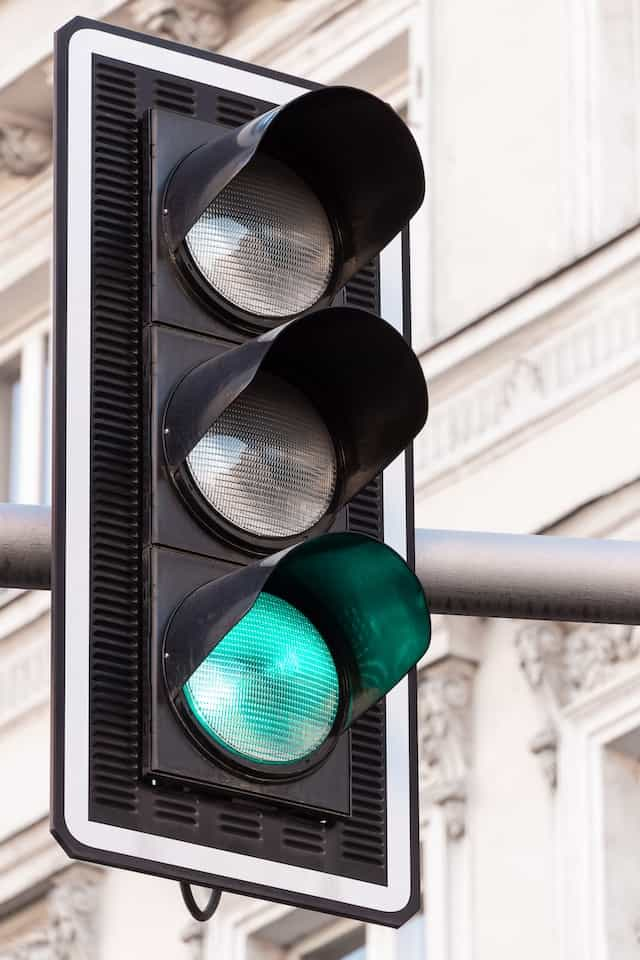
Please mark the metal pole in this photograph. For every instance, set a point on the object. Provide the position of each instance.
(25, 546)
(469, 574)
(529, 577)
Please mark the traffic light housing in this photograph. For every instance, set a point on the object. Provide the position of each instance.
(234, 640)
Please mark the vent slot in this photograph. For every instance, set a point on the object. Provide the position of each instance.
(307, 836)
(172, 95)
(363, 837)
(362, 290)
(240, 822)
(234, 111)
(115, 557)
(176, 810)
(364, 512)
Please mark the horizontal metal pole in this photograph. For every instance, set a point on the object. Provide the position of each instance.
(468, 574)
(529, 577)
(25, 546)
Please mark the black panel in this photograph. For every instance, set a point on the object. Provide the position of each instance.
(116, 479)
(348, 846)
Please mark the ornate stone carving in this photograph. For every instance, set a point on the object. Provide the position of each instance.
(541, 648)
(73, 904)
(444, 710)
(545, 746)
(193, 936)
(571, 660)
(200, 24)
(593, 650)
(24, 150)
(71, 932)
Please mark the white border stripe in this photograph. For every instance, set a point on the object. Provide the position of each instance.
(83, 45)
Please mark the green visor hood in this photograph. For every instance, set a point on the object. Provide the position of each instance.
(355, 593)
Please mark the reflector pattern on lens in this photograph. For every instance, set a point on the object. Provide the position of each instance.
(265, 243)
(269, 690)
(267, 464)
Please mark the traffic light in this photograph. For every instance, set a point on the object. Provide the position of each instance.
(236, 620)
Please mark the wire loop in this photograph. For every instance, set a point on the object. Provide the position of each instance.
(198, 913)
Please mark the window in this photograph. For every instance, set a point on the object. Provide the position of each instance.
(25, 413)
(304, 935)
(10, 397)
(25, 427)
(349, 946)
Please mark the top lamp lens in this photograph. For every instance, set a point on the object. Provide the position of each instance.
(265, 243)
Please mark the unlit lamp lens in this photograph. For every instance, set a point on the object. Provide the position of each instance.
(269, 690)
(265, 243)
(267, 465)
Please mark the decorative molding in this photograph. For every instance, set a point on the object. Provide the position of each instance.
(71, 931)
(25, 148)
(203, 24)
(444, 724)
(24, 678)
(573, 660)
(553, 372)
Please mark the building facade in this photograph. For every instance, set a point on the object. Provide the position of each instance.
(526, 292)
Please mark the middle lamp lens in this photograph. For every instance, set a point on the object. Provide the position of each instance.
(267, 465)
(265, 243)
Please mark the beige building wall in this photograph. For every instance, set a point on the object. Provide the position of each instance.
(526, 262)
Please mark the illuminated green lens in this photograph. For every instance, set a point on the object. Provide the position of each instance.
(269, 690)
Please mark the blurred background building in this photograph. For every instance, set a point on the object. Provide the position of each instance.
(527, 317)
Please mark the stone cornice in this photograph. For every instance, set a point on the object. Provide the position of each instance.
(24, 678)
(25, 228)
(28, 859)
(562, 358)
(546, 297)
(331, 36)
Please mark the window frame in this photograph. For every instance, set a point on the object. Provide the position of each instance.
(27, 353)
(303, 949)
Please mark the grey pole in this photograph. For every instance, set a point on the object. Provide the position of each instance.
(469, 574)
(25, 546)
(529, 577)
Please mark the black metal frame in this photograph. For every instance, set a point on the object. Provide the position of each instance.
(62, 370)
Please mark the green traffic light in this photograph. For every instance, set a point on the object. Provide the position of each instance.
(269, 691)
(266, 689)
